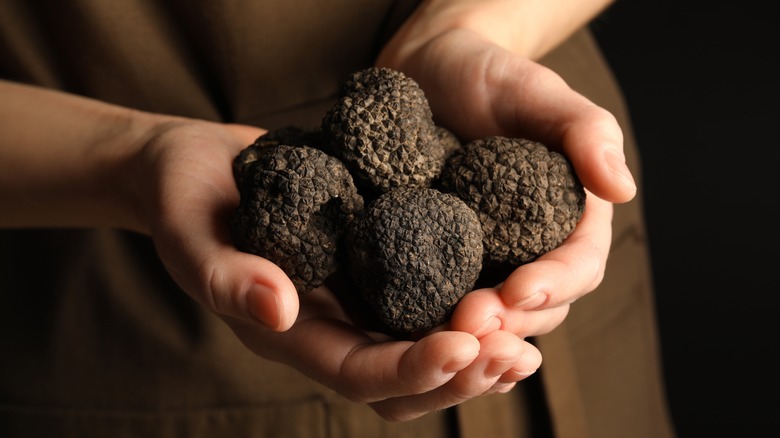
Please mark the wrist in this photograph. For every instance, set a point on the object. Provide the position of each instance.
(125, 171)
(529, 28)
(68, 161)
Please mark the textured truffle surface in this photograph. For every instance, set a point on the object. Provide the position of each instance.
(290, 135)
(413, 254)
(294, 206)
(528, 197)
(383, 130)
(449, 142)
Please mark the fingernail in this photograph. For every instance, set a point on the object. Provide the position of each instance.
(490, 325)
(457, 364)
(617, 164)
(532, 302)
(498, 367)
(263, 305)
(516, 376)
(503, 388)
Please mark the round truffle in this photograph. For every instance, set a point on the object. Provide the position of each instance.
(382, 129)
(290, 135)
(295, 203)
(413, 254)
(448, 140)
(528, 197)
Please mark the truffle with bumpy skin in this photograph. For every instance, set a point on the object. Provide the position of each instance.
(295, 202)
(382, 128)
(414, 253)
(290, 135)
(448, 141)
(528, 197)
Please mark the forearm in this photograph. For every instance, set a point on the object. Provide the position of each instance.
(65, 160)
(530, 28)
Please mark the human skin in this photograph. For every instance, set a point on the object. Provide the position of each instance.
(502, 91)
(69, 161)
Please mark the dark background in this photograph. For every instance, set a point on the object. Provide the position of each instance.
(701, 82)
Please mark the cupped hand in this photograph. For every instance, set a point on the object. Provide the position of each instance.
(188, 183)
(399, 379)
(476, 89)
(189, 193)
(535, 298)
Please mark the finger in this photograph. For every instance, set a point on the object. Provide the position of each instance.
(244, 133)
(198, 197)
(246, 286)
(532, 101)
(483, 311)
(528, 364)
(502, 93)
(593, 141)
(499, 352)
(348, 361)
(543, 107)
(229, 282)
(373, 373)
(568, 272)
(553, 281)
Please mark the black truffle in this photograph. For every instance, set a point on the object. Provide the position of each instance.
(294, 206)
(383, 130)
(448, 140)
(290, 135)
(528, 197)
(413, 254)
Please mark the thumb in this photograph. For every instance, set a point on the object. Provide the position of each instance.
(594, 143)
(230, 282)
(249, 287)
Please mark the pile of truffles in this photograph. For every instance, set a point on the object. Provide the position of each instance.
(396, 205)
